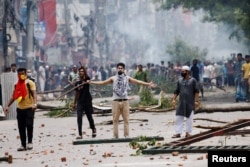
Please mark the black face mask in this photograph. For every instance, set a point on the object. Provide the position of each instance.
(183, 74)
(120, 72)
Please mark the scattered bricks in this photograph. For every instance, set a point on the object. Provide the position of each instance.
(180, 164)
(184, 156)
(52, 151)
(85, 163)
(200, 158)
(151, 158)
(63, 159)
(100, 161)
(175, 153)
(42, 125)
(107, 154)
(6, 153)
(161, 157)
(158, 144)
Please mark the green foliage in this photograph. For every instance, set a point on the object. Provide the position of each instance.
(62, 112)
(147, 97)
(140, 144)
(234, 13)
(165, 103)
(181, 52)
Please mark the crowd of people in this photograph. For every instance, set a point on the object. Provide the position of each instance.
(51, 77)
(189, 79)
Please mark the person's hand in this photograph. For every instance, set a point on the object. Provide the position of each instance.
(152, 85)
(6, 110)
(73, 106)
(88, 81)
(173, 102)
(34, 107)
(196, 104)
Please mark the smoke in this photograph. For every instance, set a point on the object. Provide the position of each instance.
(147, 33)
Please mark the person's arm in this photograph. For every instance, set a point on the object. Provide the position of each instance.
(196, 97)
(135, 81)
(34, 98)
(105, 82)
(176, 93)
(249, 78)
(70, 79)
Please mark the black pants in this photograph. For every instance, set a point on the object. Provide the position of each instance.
(88, 111)
(25, 120)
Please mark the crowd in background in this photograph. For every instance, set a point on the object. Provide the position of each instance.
(52, 77)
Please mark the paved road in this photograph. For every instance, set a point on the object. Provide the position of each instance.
(53, 141)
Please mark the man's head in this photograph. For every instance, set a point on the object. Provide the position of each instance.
(13, 67)
(21, 72)
(120, 67)
(185, 71)
(82, 71)
(139, 67)
(74, 68)
(29, 73)
(195, 62)
(239, 56)
(247, 58)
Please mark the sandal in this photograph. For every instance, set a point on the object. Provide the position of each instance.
(176, 136)
(187, 135)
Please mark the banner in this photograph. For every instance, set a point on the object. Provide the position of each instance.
(47, 14)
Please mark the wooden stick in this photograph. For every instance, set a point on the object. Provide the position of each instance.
(212, 120)
(67, 92)
(7, 159)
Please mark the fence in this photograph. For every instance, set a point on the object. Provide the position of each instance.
(8, 81)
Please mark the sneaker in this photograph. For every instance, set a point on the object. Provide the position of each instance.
(78, 137)
(29, 146)
(21, 148)
(94, 133)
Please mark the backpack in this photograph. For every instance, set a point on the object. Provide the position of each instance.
(30, 92)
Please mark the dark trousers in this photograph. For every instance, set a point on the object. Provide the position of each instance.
(25, 120)
(88, 111)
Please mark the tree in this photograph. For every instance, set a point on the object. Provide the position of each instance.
(183, 53)
(236, 14)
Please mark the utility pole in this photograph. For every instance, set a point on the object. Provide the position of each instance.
(5, 41)
(67, 30)
(30, 34)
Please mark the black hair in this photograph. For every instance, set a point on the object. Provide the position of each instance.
(239, 54)
(85, 71)
(120, 64)
(13, 65)
(21, 69)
